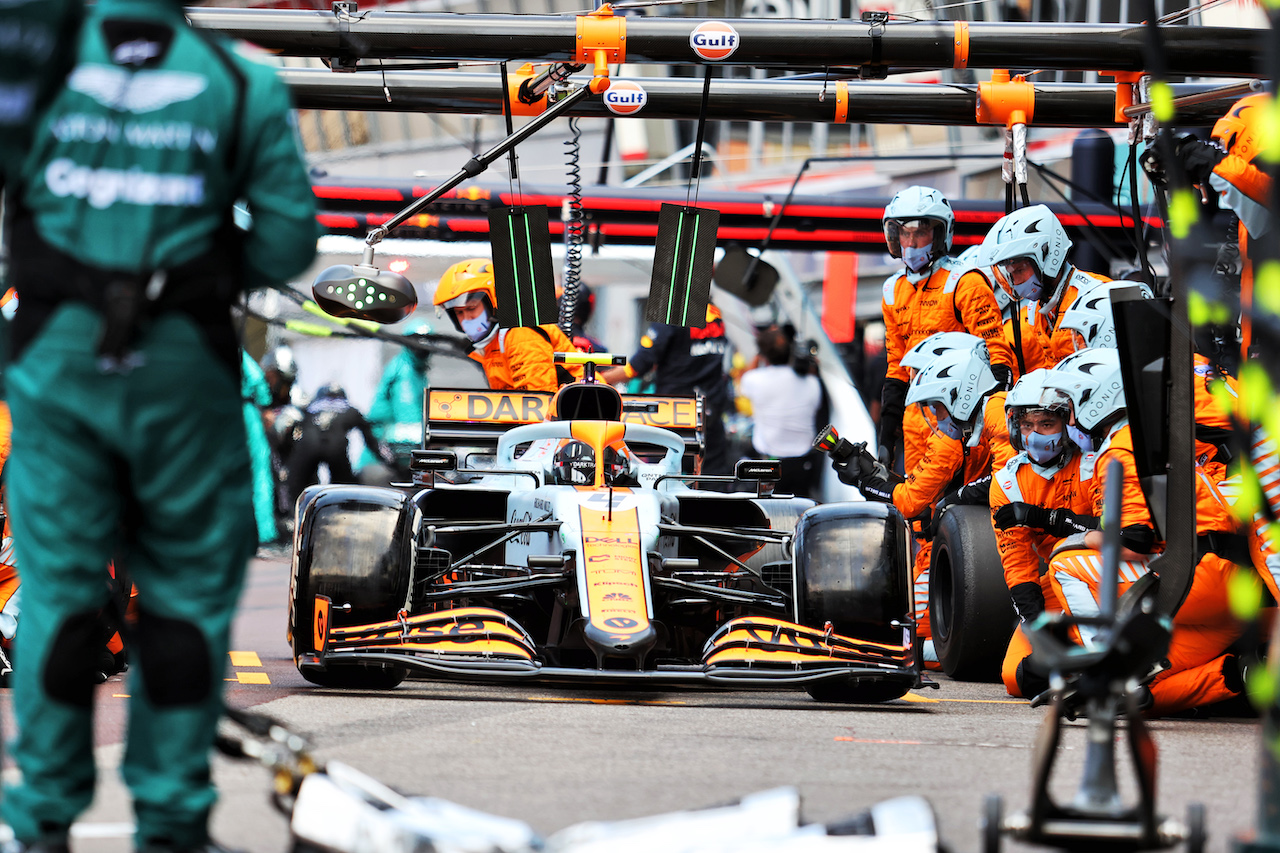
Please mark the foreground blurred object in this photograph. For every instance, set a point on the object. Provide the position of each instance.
(337, 808)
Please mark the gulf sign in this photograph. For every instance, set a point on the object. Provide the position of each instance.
(714, 40)
(624, 97)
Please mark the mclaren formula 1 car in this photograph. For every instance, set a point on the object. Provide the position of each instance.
(558, 539)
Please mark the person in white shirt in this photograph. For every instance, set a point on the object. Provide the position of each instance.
(784, 407)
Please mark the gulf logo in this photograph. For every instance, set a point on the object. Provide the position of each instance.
(624, 97)
(714, 40)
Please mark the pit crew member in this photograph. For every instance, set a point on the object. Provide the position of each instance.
(125, 294)
(519, 359)
(953, 387)
(1198, 670)
(1040, 496)
(922, 300)
(1030, 246)
(688, 361)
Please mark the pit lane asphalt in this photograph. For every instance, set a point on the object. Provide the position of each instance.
(553, 757)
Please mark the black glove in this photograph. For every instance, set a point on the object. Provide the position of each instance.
(1028, 600)
(1153, 167)
(875, 488)
(893, 402)
(1004, 376)
(1019, 514)
(1197, 157)
(1056, 522)
(974, 493)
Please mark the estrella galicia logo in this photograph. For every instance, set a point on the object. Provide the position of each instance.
(624, 97)
(714, 40)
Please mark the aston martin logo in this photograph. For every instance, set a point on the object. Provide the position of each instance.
(136, 91)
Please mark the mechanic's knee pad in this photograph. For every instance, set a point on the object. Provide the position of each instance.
(173, 656)
(71, 668)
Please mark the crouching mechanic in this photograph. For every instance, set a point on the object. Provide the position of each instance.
(1198, 670)
(126, 265)
(1041, 496)
(518, 359)
(953, 387)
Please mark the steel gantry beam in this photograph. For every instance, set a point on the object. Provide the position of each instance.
(765, 43)
(1055, 105)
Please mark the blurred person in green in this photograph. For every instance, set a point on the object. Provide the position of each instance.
(257, 397)
(126, 261)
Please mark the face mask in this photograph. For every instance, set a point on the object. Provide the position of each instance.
(1029, 289)
(1082, 439)
(949, 428)
(916, 259)
(1043, 449)
(477, 328)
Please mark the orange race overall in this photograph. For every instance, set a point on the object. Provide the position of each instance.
(1061, 485)
(914, 310)
(1203, 627)
(945, 465)
(520, 359)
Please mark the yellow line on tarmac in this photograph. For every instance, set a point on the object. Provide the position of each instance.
(253, 678)
(916, 697)
(602, 701)
(245, 659)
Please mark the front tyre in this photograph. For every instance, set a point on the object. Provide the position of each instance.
(970, 612)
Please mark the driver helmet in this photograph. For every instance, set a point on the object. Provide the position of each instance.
(464, 283)
(574, 463)
(916, 207)
(1027, 397)
(1089, 382)
(1089, 316)
(1032, 234)
(954, 385)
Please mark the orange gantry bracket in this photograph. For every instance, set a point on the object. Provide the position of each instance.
(602, 39)
(1006, 101)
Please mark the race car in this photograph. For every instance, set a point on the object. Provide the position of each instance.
(564, 539)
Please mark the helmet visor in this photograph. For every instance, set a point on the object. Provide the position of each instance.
(461, 300)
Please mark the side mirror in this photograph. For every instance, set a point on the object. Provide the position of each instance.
(364, 292)
(433, 460)
(763, 470)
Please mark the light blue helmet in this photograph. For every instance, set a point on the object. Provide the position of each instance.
(1033, 233)
(1090, 313)
(920, 203)
(1091, 380)
(922, 354)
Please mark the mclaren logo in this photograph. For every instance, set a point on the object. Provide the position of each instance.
(1034, 227)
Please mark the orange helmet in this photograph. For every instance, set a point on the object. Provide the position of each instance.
(463, 282)
(1240, 131)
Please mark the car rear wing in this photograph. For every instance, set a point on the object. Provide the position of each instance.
(466, 418)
